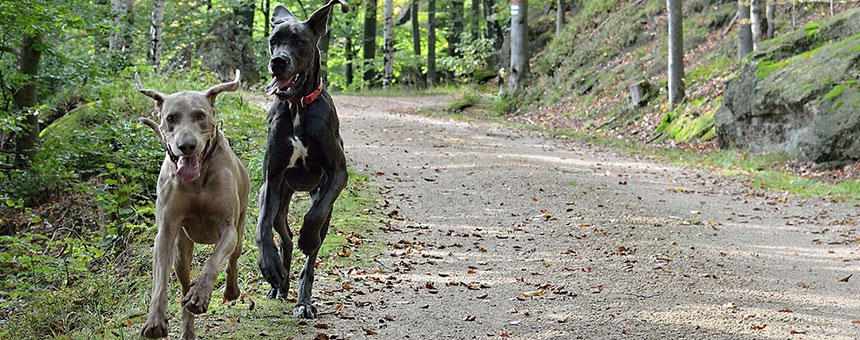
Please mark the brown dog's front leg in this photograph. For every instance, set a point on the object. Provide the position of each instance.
(156, 322)
(197, 299)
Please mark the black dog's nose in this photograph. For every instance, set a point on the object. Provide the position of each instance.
(187, 146)
(279, 64)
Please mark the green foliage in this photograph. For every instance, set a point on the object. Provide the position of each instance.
(811, 29)
(473, 58)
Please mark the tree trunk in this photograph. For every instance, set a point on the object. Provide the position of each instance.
(745, 44)
(155, 43)
(770, 15)
(244, 12)
(350, 56)
(369, 40)
(676, 53)
(25, 97)
(476, 19)
(431, 43)
(519, 45)
(266, 7)
(831, 8)
(793, 16)
(122, 12)
(559, 16)
(494, 32)
(416, 32)
(758, 22)
(388, 45)
(456, 27)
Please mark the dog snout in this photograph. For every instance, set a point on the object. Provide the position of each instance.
(187, 146)
(279, 64)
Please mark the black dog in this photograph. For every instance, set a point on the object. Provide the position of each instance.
(304, 152)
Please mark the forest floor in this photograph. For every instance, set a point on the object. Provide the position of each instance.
(501, 232)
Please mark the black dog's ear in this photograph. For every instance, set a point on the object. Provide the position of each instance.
(318, 21)
(281, 14)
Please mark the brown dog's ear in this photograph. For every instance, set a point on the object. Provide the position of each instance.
(152, 125)
(157, 96)
(281, 14)
(318, 21)
(214, 91)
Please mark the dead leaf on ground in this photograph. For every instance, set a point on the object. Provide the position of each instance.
(321, 336)
(844, 279)
(786, 310)
(470, 318)
(755, 328)
(369, 331)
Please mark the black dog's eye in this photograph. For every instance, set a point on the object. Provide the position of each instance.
(171, 118)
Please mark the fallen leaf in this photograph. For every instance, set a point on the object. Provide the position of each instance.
(321, 336)
(797, 332)
(845, 279)
(755, 328)
(470, 318)
(786, 310)
(369, 331)
(321, 326)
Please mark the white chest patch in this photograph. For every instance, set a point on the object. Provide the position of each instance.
(299, 151)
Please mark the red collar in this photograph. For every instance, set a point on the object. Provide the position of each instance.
(310, 98)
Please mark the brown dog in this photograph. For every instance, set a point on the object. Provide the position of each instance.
(202, 197)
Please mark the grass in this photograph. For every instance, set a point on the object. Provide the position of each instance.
(94, 283)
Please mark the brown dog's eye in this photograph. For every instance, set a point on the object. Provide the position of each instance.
(200, 116)
(171, 118)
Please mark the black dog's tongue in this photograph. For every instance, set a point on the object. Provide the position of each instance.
(276, 84)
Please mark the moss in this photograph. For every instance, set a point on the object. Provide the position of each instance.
(698, 127)
(766, 67)
(836, 92)
(837, 105)
(811, 29)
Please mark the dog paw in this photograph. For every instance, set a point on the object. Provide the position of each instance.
(271, 267)
(305, 310)
(231, 292)
(196, 300)
(154, 328)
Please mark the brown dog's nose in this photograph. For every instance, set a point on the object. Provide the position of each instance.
(187, 146)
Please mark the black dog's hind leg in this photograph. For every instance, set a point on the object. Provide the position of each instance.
(282, 227)
(271, 201)
(312, 234)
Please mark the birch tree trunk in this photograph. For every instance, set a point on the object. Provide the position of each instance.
(519, 45)
(771, 21)
(676, 53)
(831, 8)
(155, 23)
(369, 39)
(388, 47)
(431, 43)
(559, 16)
(745, 44)
(25, 97)
(758, 23)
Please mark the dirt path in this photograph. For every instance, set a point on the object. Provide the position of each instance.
(503, 233)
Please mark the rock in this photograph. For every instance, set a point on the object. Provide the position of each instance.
(222, 50)
(799, 94)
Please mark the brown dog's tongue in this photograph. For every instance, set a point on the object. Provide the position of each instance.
(188, 168)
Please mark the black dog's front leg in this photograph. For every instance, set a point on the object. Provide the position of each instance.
(312, 234)
(271, 199)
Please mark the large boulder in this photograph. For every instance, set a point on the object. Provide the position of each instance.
(799, 94)
(223, 49)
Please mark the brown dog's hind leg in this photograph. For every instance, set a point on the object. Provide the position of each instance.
(182, 267)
